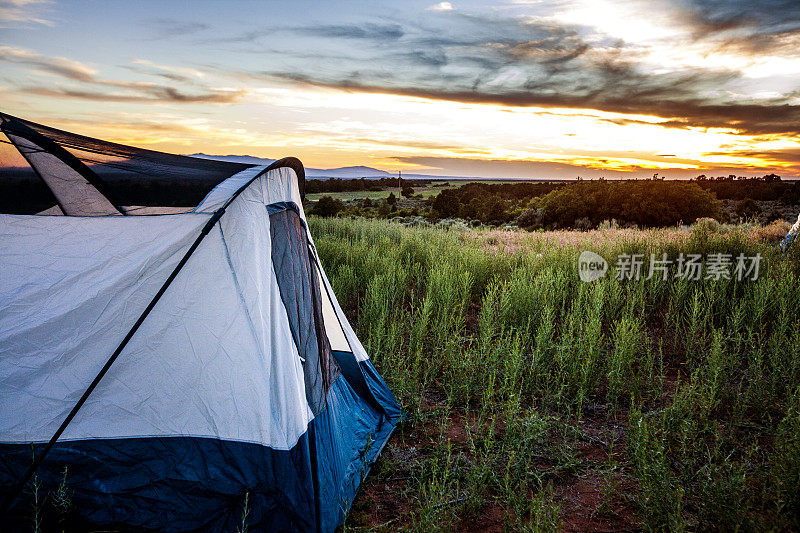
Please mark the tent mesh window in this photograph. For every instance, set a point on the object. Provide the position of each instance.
(297, 276)
(64, 173)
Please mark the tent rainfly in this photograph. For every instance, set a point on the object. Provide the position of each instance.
(169, 339)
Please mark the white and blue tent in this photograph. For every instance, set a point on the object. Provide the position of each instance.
(168, 335)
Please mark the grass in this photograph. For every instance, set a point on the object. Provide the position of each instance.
(538, 402)
(353, 195)
(424, 191)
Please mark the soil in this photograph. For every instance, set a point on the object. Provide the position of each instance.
(597, 496)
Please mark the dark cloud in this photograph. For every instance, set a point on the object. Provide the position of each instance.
(378, 32)
(532, 62)
(752, 26)
(607, 87)
(548, 54)
(498, 168)
(167, 28)
(712, 16)
(153, 93)
(429, 58)
(778, 156)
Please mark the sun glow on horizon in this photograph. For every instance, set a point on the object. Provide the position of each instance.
(405, 127)
(230, 100)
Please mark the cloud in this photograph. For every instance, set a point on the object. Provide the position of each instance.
(378, 32)
(59, 66)
(784, 156)
(21, 12)
(88, 86)
(176, 74)
(441, 6)
(536, 62)
(498, 168)
(153, 93)
(753, 27)
(168, 28)
(435, 57)
(713, 16)
(615, 88)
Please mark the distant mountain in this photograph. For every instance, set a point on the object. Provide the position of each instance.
(347, 172)
(341, 172)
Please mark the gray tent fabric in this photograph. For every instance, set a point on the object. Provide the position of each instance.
(92, 177)
(75, 195)
(177, 364)
(298, 282)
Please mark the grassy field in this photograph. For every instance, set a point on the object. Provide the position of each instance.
(538, 402)
(353, 195)
(424, 191)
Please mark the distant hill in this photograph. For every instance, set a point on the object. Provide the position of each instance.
(341, 172)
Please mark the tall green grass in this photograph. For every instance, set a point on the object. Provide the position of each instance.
(496, 331)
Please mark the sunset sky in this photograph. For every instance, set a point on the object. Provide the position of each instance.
(538, 88)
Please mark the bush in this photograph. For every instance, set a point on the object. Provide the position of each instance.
(583, 224)
(787, 460)
(706, 226)
(774, 232)
(646, 203)
(608, 225)
(327, 206)
(491, 203)
(532, 219)
(774, 215)
(407, 191)
(748, 208)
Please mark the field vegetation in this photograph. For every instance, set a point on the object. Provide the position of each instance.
(582, 204)
(537, 402)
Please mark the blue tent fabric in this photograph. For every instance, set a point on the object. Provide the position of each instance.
(199, 484)
(205, 419)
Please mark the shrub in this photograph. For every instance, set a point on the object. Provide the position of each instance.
(608, 225)
(774, 215)
(748, 208)
(531, 219)
(646, 203)
(787, 459)
(774, 232)
(327, 206)
(706, 226)
(583, 224)
(491, 203)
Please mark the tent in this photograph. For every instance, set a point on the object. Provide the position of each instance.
(171, 350)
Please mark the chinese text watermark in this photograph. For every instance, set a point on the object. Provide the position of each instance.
(715, 266)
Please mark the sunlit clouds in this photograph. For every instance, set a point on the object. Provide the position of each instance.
(519, 89)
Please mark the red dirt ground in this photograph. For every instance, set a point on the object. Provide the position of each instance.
(596, 497)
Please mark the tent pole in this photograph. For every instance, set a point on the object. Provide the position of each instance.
(15, 492)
